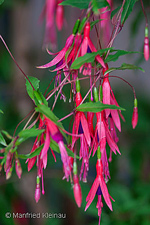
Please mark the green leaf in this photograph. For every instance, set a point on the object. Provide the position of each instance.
(1, 1)
(1, 111)
(115, 11)
(48, 113)
(96, 107)
(7, 134)
(35, 82)
(98, 4)
(84, 4)
(28, 133)
(92, 24)
(2, 140)
(32, 154)
(81, 4)
(87, 58)
(118, 53)
(39, 98)
(54, 146)
(124, 66)
(127, 9)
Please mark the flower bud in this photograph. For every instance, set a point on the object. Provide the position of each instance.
(146, 45)
(135, 114)
(18, 168)
(77, 191)
(146, 48)
(135, 117)
(8, 172)
(37, 190)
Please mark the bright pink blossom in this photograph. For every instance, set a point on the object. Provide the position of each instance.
(80, 118)
(99, 187)
(77, 191)
(135, 117)
(146, 48)
(87, 45)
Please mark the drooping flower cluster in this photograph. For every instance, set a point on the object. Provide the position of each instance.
(94, 122)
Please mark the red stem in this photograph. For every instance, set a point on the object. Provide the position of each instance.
(16, 61)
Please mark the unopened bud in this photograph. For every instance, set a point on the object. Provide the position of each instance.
(135, 117)
(8, 172)
(37, 190)
(77, 191)
(146, 48)
(18, 168)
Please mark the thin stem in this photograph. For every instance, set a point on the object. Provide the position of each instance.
(21, 122)
(65, 117)
(146, 19)
(62, 84)
(16, 61)
(29, 120)
(126, 83)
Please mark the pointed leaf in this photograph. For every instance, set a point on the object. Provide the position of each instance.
(2, 140)
(114, 57)
(31, 155)
(96, 107)
(35, 82)
(127, 9)
(124, 66)
(28, 133)
(87, 58)
(114, 12)
(7, 134)
(84, 4)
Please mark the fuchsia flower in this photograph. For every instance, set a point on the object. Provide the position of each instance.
(51, 7)
(87, 46)
(80, 118)
(60, 58)
(102, 134)
(51, 131)
(99, 187)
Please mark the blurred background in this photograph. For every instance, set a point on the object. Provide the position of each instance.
(130, 178)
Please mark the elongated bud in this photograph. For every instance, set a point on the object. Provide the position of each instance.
(77, 191)
(98, 153)
(78, 99)
(8, 172)
(76, 27)
(146, 45)
(18, 168)
(87, 30)
(82, 24)
(37, 190)
(95, 94)
(59, 16)
(135, 114)
(77, 85)
(8, 161)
